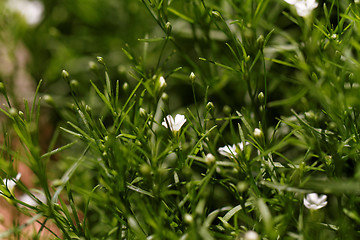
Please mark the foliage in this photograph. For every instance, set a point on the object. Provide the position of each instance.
(250, 72)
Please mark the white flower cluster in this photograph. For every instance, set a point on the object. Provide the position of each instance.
(303, 7)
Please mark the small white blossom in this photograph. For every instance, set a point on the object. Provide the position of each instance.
(11, 183)
(31, 11)
(174, 125)
(314, 202)
(230, 150)
(210, 159)
(303, 7)
(31, 201)
(251, 235)
(258, 133)
(162, 82)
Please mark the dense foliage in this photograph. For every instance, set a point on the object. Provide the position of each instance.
(266, 94)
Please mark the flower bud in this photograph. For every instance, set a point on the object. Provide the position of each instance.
(100, 60)
(260, 42)
(242, 186)
(351, 76)
(216, 15)
(74, 85)
(49, 100)
(210, 159)
(21, 114)
(93, 66)
(143, 113)
(251, 235)
(125, 86)
(165, 97)
(88, 109)
(258, 133)
(168, 28)
(145, 169)
(227, 110)
(261, 98)
(13, 112)
(192, 77)
(162, 82)
(210, 107)
(310, 115)
(2, 88)
(188, 219)
(65, 75)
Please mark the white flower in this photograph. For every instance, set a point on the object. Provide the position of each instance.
(31, 10)
(162, 83)
(174, 125)
(292, 2)
(303, 7)
(31, 201)
(230, 150)
(314, 202)
(251, 235)
(11, 183)
(210, 159)
(258, 133)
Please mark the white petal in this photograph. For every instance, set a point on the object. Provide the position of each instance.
(31, 201)
(179, 121)
(251, 235)
(168, 122)
(291, 1)
(228, 151)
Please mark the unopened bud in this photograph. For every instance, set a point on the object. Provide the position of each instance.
(165, 97)
(351, 76)
(227, 110)
(93, 66)
(125, 86)
(57, 183)
(192, 77)
(21, 114)
(74, 85)
(251, 235)
(188, 218)
(242, 186)
(88, 109)
(65, 75)
(49, 100)
(143, 112)
(145, 169)
(258, 133)
(216, 14)
(261, 98)
(2, 88)
(162, 84)
(260, 42)
(168, 28)
(13, 112)
(310, 116)
(210, 159)
(210, 107)
(100, 60)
